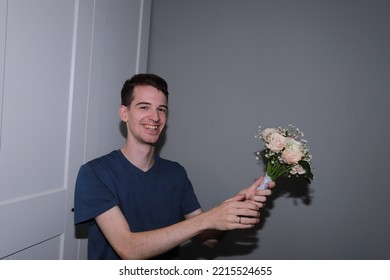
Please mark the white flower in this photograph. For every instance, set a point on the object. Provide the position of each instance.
(293, 151)
(297, 169)
(275, 142)
(267, 132)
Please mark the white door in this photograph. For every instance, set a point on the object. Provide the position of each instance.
(61, 68)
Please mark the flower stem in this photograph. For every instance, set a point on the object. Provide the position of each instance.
(275, 169)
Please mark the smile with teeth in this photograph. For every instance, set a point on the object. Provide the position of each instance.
(151, 127)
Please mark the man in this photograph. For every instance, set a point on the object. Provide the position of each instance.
(141, 206)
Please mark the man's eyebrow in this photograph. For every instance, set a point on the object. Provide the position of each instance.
(143, 103)
(148, 103)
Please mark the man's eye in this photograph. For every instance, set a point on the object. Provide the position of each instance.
(163, 110)
(143, 107)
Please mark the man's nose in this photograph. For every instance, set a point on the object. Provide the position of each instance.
(154, 116)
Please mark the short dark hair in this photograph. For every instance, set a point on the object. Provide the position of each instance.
(142, 80)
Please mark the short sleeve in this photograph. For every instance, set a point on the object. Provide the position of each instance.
(93, 195)
(189, 200)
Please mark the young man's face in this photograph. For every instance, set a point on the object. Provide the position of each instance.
(146, 116)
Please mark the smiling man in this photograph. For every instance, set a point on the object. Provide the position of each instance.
(141, 206)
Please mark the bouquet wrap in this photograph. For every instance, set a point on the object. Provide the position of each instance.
(264, 184)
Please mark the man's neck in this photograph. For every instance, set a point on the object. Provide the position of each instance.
(140, 156)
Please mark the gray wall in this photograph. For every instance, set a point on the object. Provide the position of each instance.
(321, 65)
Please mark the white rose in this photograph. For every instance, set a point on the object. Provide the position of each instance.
(297, 169)
(275, 142)
(293, 151)
(267, 132)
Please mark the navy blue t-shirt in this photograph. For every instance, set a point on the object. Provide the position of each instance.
(149, 200)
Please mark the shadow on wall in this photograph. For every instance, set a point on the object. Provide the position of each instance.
(243, 242)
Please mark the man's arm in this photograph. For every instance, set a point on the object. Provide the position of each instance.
(147, 244)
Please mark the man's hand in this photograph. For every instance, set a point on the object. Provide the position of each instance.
(256, 196)
(234, 213)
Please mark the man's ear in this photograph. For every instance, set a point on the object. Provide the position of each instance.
(123, 113)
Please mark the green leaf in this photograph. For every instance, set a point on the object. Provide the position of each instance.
(305, 165)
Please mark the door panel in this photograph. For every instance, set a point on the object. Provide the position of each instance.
(37, 48)
(30, 220)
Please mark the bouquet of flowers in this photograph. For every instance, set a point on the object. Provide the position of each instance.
(286, 152)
